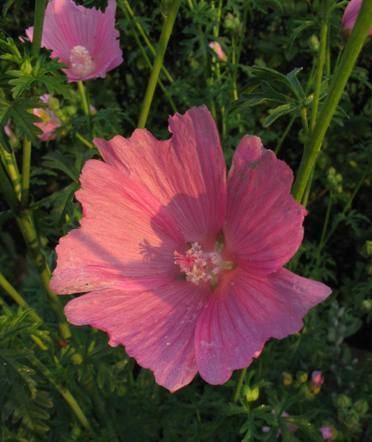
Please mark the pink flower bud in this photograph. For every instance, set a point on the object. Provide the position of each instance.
(217, 48)
(350, 16)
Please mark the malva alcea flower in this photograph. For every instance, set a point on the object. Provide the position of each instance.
(217, 49)
(49, 122)
(351, 14)
(84, 39)
(183, 264)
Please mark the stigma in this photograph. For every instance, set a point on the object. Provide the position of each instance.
(202, 267)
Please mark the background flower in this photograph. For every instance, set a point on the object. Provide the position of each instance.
(84, 39)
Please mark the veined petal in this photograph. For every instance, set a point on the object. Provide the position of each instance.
(263, 227)
(126, 237)
(156, 327)
(244, 313)
(186, 173)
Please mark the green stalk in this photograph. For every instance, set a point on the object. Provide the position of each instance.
(341, 76)
(320, 62)
(149, 64)
(26, 166)
(38, 26)
(125, 6)
(162, 46)
(84, 98)
(239, 385)
(65, 393)
(17, 297)
(11, 167)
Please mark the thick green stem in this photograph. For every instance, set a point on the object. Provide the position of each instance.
(125, 6)
(11, 167)
(341, 76)
(26, 166)
(38, 26)
(162, 46)
(320, 62)
(84, 98)
(149, 64)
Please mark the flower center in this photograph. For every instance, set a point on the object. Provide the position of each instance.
(200, 266)
(81, 62)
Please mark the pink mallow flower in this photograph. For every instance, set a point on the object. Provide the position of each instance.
(351, 14)
(183, 264)
(217, 49)
(84, 39)
(327, 433)
(49, 121)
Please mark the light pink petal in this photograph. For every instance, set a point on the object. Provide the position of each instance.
(156, 327)
(244, 313)
(126, 238)
(263, 227)
(185, 173)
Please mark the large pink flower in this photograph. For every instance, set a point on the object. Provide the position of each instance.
(351, 14)
(184, 267)
(83, 39)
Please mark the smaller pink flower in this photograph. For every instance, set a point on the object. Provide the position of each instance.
(84, 39)
(8, 129)
(327, 433)
(49, 121)
(351, 14)
(317, 378)
(217, 48)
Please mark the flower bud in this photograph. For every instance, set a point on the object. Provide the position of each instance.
(251, 394)
(350, 16)
(287, 378)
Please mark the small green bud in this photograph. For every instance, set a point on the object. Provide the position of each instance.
(76, 359)
(251, 394)
(287, 378)
(232, 22)
(314, 43)
(302, 377)
(343, 401)
(361, 407)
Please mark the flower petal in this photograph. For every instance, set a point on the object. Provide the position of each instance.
(156, 327)
(126, 239)
(185, 173)
(263, 227)
(244, 313)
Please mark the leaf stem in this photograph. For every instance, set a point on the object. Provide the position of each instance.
(38, 26)
(341, 76)
(160, 52)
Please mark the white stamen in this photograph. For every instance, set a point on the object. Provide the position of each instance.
(81, 62)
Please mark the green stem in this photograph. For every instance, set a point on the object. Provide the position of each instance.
(341, 76)
(149, 64)
(324, 231)
(128, 10)
(83, 140)
(38, 26)
(17, 297)
(320, 62)
(64, 392)
(239, 385)
(162, 46)
(285, 133)
(26, 166)
(11, 167)
(84, 98)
